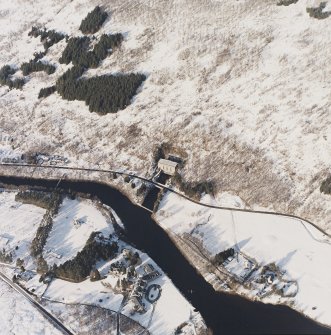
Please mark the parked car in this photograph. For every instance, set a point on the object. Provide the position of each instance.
(10, 160)
(41, 159)
(58, 159)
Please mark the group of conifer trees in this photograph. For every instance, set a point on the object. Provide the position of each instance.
(46, 91)
(78, 268)
(326, 186)
(103, 94)
(77, 51)
(5, 73)
(93, 21)
(319, 12)
(47, 37)
(33, 66)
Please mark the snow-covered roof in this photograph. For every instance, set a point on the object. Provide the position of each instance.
(167, 162)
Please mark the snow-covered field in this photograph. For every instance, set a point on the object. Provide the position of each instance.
(86, 292)
(296, 247)
(239, 88)
(18, 316)
(72, 227)
(18, 226)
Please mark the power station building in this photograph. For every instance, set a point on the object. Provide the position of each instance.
(168, 167)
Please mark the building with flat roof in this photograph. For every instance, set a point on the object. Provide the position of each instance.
(168, 167)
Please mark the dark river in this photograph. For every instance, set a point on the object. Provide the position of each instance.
(223, 313)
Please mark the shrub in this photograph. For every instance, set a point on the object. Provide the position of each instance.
(326, 186)
(318, 12)
(95, 275)
(38, 55)
(46, 91)
(127, 179)
(141, 190)
(93, 21)
(223, 256)
(194, 190)
(19, 262)
(42, 266)
(6, 257)
(286, 2)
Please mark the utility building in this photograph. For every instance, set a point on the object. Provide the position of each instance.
(168, 167)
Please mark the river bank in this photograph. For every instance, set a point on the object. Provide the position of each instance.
(223, 313)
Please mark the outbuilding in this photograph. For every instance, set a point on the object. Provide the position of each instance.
(167, 166)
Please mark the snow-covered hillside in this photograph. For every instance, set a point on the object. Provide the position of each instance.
(18, 226)
(240, 88)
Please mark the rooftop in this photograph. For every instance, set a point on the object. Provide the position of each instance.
(167, 162)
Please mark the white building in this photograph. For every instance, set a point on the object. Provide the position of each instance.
(168, 167)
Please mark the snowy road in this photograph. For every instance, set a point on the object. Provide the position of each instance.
(80, 169)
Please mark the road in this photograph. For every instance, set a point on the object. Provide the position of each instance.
(68, 168)
(41, 309)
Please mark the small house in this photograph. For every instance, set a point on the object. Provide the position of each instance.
(149, 268)
(95, 275)
(167, 166)
(127, 253)
(78, 222)
(136, 305)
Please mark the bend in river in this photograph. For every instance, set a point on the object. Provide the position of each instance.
(223, 313)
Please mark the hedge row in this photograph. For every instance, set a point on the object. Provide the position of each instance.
(286, 2)
(37, 198)
(46, 225)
